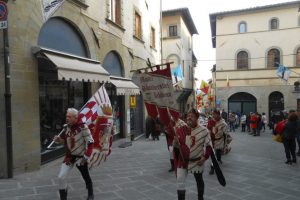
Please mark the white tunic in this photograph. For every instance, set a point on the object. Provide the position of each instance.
(221, 129)
(197, 143)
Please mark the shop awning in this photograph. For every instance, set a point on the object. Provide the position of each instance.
(124, 86)
(71, 67)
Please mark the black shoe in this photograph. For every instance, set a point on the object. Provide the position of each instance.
(294, 161)
(172, 166)
(212, 171)
(288, 162)
(63, 194)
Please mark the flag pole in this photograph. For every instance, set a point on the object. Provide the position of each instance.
(150, 67)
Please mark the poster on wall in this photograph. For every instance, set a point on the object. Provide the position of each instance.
(49, 7)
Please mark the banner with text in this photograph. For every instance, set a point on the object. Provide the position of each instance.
(158, 94)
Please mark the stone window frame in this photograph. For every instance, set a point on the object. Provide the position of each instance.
(239, 27)
(268, 57)
(272, 20)
(237, 59)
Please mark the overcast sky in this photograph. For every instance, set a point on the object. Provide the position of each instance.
(200, 11)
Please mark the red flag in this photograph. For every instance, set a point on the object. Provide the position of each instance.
(97, 114)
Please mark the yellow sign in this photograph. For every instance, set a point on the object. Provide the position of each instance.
(132, 101)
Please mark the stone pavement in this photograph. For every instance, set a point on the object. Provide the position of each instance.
(254, 170)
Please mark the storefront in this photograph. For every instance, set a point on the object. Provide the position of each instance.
(65, 75)
(118, 89)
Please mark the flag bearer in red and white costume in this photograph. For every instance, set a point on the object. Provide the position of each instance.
(79, 142)
(220, 131)
(192, 147)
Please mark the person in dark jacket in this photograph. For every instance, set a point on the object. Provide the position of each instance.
(149, 127)
(289, 137)
(298, 132)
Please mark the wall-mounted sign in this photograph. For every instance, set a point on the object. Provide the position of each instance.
(132, 101)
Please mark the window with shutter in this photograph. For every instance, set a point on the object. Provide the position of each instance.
(138, 26)
(242, 60)
(273, 58)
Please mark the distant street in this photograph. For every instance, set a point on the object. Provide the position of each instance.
(254, 170)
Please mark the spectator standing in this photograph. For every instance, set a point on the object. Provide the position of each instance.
(149, 127)
(288, 137)
(253, 123)
(264, 121)
(232, 120)
(243, 122)
(224, 115)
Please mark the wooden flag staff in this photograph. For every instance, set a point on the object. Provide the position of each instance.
(150, 67)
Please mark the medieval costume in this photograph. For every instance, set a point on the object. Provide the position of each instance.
(193, 144)
(79, 143)
(220, 132)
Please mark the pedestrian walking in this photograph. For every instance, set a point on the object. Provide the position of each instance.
(79, 145)
(194, 146)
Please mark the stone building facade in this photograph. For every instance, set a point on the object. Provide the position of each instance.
(250, 44)
(178, 29)
(98, 37)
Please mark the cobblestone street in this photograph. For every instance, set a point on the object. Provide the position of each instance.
(254, 170)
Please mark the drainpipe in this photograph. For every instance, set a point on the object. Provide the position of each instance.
(7, 95)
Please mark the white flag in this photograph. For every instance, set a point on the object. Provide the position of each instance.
(49, 7)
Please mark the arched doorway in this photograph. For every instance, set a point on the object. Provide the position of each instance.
(276, 101)
(242, 102)
(55, 96)
(113, 64)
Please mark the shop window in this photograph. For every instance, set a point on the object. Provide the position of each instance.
(55, 97)
(173, 31)
(273, 58)
(242, 60)
(138, 26)
(152, 38)
(115, 11)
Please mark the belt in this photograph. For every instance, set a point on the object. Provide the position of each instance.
(195, 159)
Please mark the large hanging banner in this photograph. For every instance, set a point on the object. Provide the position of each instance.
(158, 94)
(49, 7)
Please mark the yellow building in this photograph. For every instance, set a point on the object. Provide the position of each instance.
(250, 43)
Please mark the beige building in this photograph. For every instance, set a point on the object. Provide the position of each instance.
(60, 61)
(250, 43)
(178, 29)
